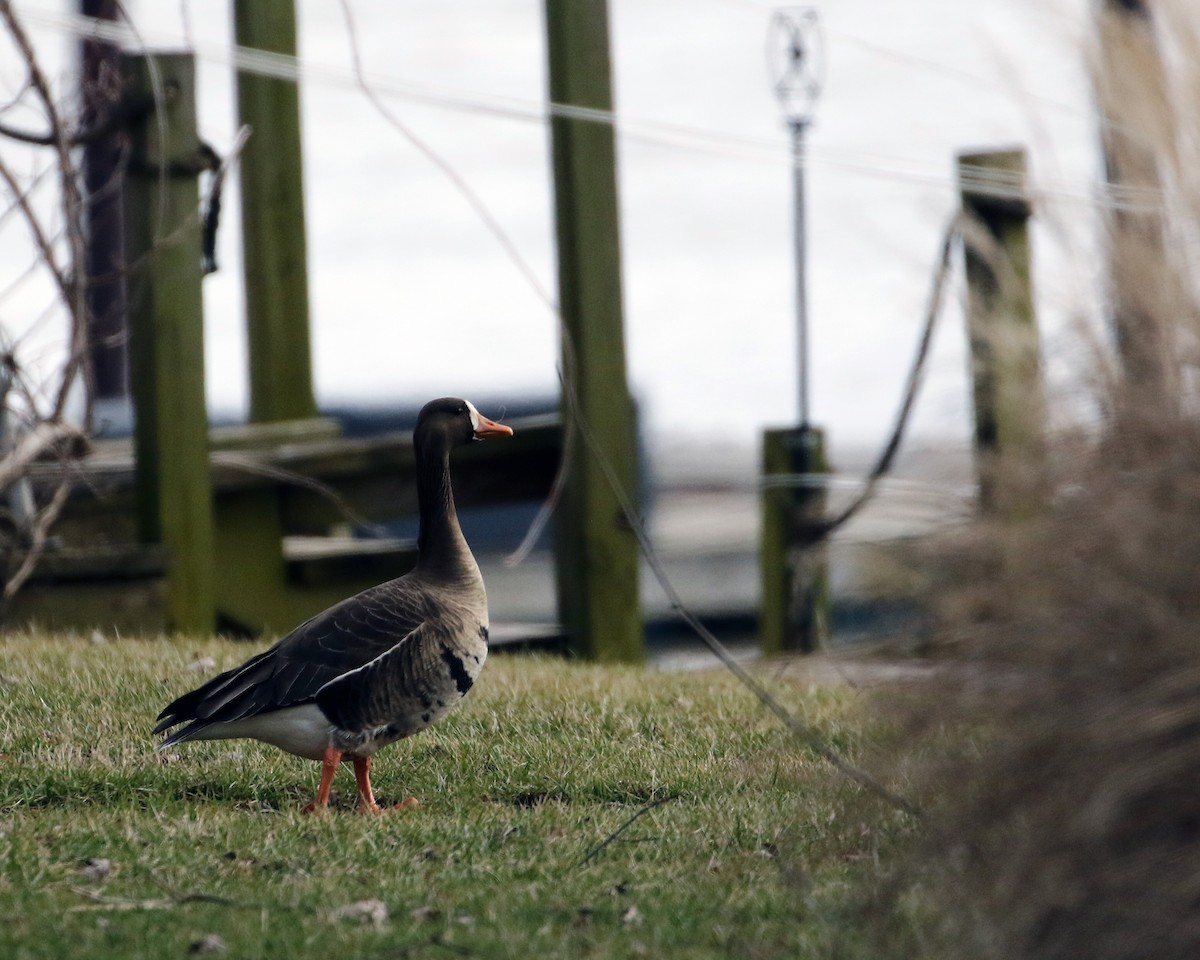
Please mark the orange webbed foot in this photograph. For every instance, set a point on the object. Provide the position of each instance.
(407, 803)
(366, 797)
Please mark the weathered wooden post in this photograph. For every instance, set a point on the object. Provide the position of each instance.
(1133, 96)
(274, 246)
(162, 251)
(793, 563)
(1002, 329)
(107, 312)
(596, 552)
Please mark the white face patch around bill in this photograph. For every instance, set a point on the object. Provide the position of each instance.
(474, 415)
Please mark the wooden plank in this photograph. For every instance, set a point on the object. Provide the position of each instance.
(130, 561)
(330, 561)
(162, 236)
(265, 582)
(521, 468)
(526, 638)
(263, 591)
(597, 554)
(257, 436)
(383, 486)
(274, 246)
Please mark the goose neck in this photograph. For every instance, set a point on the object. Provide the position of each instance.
(439, 538)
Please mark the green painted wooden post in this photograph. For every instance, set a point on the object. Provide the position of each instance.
(162, 250)
(596, 552)
(1002, 329)
(274, 249)
(794, 602)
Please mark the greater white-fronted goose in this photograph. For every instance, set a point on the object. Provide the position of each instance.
(377, 667)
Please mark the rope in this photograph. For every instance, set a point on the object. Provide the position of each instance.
(912, 386)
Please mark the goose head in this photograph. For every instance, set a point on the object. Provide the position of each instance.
(451, 422)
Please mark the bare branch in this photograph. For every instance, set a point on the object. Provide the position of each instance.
(121, 115)
(44, 437)
(38, 538)
(72, 282)
(41, 241)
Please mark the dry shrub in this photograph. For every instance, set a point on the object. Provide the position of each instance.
(1064, 817)
(1066, 823)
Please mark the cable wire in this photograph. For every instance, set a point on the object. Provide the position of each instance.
(772, 150)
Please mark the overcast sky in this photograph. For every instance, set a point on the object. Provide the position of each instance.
(412, 297)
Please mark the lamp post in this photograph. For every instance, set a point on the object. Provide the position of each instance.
(794, 60)
(794, 606)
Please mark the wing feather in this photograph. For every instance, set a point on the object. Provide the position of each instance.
(338, 641)
(381, 690)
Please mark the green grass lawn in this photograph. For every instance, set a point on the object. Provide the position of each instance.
(757, 852)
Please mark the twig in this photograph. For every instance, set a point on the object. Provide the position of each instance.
(39, 537)
(33, 183)
(41, 241)
(473, 199)
(283, 475)
(623, 827)
(437, 941)
(120, 116)
(45, 436)
(101, 901)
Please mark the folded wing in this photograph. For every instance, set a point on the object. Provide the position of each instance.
(334, 643)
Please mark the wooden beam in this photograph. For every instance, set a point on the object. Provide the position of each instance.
(274, 247)
(313, 478)
(162, 235)
(596, 551)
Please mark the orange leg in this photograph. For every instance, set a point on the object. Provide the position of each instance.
(366, 797)
(329, 765)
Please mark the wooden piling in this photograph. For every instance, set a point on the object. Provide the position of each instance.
(1133, 95)
(794, 605)
(1002, 330)
(274, 246)
(596, 551)
(163, 252)
(107, 311)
